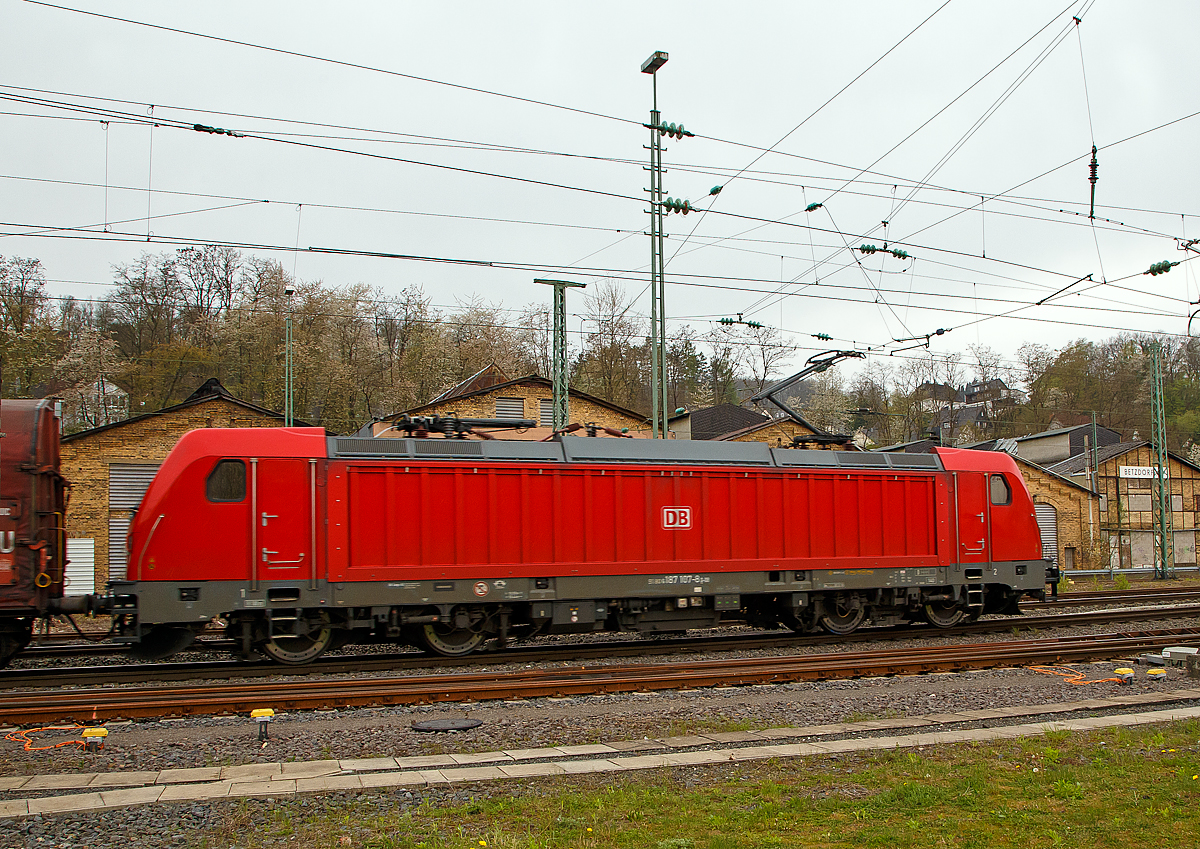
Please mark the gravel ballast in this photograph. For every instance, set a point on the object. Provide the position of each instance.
(526, 724)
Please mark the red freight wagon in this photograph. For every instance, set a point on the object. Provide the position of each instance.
(301, 542)
(32, 503)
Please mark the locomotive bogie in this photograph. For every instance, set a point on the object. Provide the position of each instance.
(292, 623)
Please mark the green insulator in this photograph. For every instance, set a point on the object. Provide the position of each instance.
(813, 207)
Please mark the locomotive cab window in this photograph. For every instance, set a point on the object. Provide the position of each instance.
(227, 481)
(1001, 491)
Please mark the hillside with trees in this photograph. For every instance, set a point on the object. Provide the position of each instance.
(172, 320)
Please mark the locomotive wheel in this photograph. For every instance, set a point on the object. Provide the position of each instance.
(450, 641)
(299, 649)
(943, 614)
(839, 619)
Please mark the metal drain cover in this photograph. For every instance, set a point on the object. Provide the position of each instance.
(446, 724)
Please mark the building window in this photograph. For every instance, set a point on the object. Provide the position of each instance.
(1138, 504)
(546, 412)
(227, 481)
(1000, 490)
(510, 408)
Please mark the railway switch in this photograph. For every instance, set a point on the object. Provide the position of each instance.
(263, 717)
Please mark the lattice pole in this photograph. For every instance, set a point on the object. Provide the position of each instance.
(560, 388)
(1164, 560)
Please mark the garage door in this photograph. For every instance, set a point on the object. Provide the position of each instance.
(127, 483)
(81, 567)
(1047, 519)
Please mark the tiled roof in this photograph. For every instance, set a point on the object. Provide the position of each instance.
(534, 379)
(488, 376)
(1078, 464)
(210, 390)
(711, 422)
(1061, 430)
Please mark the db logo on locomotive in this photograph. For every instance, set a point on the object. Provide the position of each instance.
(677, 518)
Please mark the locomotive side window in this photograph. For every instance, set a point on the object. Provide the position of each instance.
(227, 481)
(1001, 491)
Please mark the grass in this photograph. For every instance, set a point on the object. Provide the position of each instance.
(1120, 787)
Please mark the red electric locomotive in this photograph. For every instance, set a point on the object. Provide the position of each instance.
(32, 542)
(301, 541)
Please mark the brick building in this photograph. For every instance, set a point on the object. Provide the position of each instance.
(1125, 485)
(488, 394)
(109, 467)
(788, 432)
(1068, 515)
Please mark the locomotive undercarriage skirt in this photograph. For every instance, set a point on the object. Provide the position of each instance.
(192, 601)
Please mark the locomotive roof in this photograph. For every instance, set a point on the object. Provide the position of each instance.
(584, 449)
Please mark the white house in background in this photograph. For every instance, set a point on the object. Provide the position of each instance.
(93, 404)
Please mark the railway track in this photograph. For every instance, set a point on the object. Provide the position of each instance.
(65, 645)
(93, 705)
(1153, 595)
(92, 676)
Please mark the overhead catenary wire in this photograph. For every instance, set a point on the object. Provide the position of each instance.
(810, 116)
(810, 233)
(342, 63)
(82, 233)
(959, 144)
(712, 170)
(184, 125)
(619, 274)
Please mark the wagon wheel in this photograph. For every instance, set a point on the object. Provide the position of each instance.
(450, 641)
(14, 636)
(297, 649)
(944, 614)
(842, 619)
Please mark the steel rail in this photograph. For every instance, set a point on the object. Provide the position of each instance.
(222, 669)
(93, 705)
(1137, 597)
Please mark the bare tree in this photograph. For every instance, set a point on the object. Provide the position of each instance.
(612, 366)
(22, 293)
(207, 277)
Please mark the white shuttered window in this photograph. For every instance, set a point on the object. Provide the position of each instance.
(510, 408)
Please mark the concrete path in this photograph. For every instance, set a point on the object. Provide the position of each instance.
(120, 789)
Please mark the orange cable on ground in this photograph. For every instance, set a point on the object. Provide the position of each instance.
(1072, 676)
(23, 737)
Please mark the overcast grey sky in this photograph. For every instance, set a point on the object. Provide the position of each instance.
(1016, 130)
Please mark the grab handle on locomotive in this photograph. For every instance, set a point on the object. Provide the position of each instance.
(266, 559)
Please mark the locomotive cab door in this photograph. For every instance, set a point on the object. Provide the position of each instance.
(973, 517)
(284, 521)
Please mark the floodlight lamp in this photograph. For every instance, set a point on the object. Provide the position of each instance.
(657, 59)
